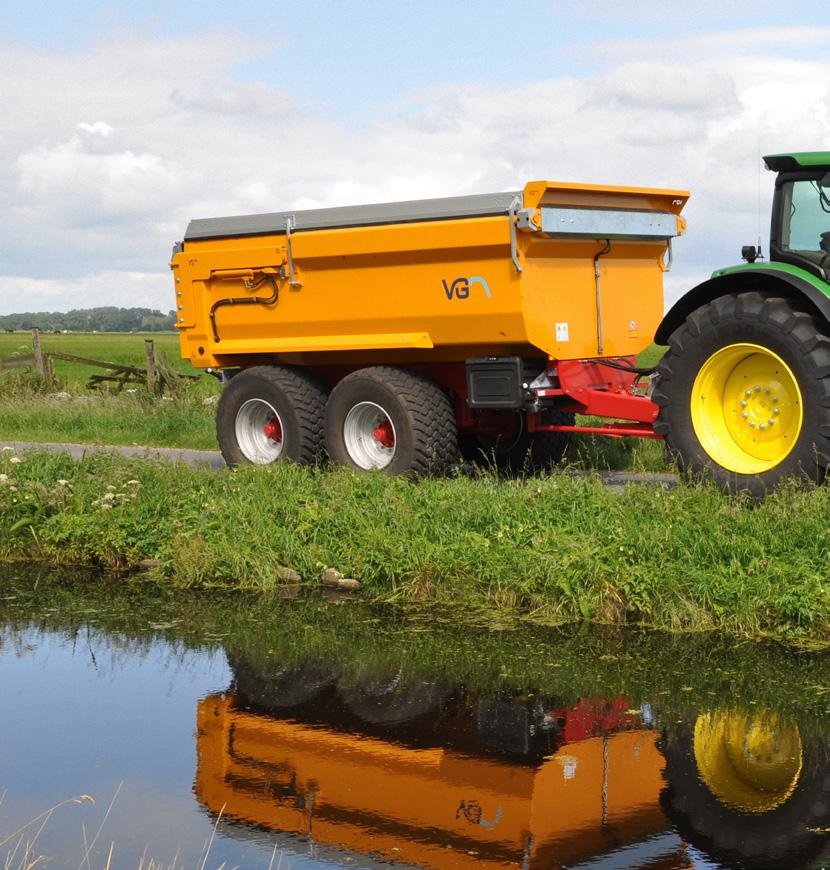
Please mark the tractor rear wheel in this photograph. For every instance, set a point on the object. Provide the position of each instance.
(392, 420)
(744, 393)
(271, 413)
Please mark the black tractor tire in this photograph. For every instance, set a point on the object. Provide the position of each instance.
(787, 836)
(296, 395)
(521, 451)
(424, 424)
(776, 324)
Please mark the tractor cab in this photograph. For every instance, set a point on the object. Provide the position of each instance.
(800, 226)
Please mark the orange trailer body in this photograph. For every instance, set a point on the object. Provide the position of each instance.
(431, 282)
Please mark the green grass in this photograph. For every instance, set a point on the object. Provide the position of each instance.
(117, 347)
(560, 548)
(66, 410)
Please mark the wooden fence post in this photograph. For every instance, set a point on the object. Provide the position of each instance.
(151, 364)
(40, 359)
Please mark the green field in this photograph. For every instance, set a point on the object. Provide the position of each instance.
(117, 347)
(67, 410)
(35, 412)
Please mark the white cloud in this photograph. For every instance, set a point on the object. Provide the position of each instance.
(246, 99)
(113, 287)
(105, 155)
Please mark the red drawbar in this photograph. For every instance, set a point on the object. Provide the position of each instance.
(589, 388)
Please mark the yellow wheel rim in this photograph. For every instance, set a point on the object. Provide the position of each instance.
(746, 408)
(749, 762)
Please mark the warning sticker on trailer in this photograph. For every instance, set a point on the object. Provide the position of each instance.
(561, 331)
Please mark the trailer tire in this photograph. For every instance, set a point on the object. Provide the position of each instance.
(526, 451)
(390, 419)
(273, 686)
(271, 413)
(392, 699)
(741, 360)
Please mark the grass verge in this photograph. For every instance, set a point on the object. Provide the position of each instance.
(558, 549)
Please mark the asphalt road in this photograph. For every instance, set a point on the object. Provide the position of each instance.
(213, 459)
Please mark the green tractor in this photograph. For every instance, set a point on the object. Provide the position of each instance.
(744, 388)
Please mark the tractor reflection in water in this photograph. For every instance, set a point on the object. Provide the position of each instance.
(425, 773)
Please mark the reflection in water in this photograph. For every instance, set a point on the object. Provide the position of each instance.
(487, 796)
(431, 775)
(353, 737)
(750, 762)
(748, 788)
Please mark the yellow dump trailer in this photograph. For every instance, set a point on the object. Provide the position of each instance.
(390, 335)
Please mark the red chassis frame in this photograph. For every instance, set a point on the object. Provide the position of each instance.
(588, 387)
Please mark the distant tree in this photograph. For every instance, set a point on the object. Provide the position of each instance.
(103, 319)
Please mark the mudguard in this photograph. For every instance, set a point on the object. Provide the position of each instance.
(789, 281)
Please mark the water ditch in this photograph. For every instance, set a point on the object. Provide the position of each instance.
(294, 732)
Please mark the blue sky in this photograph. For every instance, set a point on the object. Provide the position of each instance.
(351, 57)
(123, 121)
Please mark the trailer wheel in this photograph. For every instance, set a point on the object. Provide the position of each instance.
(744, 393)
(393, 699)
(519, 450)
(390, 419)
(271, 413)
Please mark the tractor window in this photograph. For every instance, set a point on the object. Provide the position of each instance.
(806, 217)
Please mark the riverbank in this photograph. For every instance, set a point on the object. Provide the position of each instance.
(554, 549)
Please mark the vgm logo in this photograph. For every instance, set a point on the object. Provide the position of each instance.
(460, 288)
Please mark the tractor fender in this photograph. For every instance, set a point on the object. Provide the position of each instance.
(786, 284)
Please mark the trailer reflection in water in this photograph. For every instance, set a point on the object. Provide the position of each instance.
(431, 775)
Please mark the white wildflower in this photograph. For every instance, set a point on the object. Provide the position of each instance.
(15, 460)
(111, 488)
(3, 478)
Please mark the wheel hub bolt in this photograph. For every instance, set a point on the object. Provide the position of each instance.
(751, 424)
(748, 393)
(775, 398)
(776, 410)
(763, 426)
(743, 403)
(757, 388)
(745, 415)
(766, 389)
(771, 421)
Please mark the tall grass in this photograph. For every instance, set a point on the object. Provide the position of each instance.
(559, 548)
